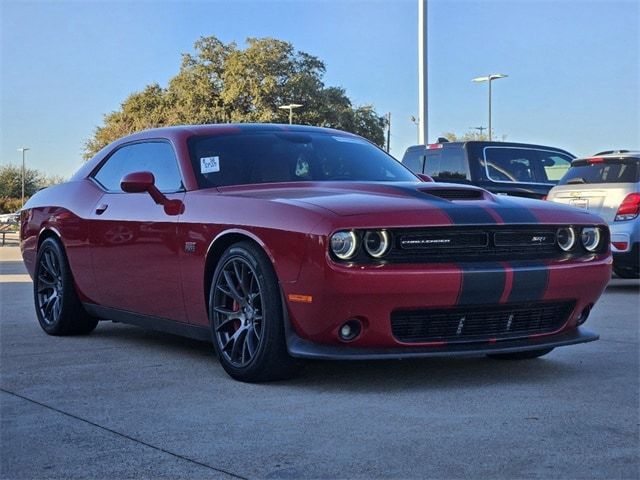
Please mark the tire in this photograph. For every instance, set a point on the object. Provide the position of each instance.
(58, 308)
(246, 315)
(526, 355)
(626, 272)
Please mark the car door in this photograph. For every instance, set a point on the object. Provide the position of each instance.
(134, 245)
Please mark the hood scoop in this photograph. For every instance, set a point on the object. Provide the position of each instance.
(455, 193)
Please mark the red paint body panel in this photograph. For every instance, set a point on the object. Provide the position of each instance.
(135, 257)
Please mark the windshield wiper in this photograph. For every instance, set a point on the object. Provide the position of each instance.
(576, 180)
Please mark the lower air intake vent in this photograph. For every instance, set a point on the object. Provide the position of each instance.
(479, 323)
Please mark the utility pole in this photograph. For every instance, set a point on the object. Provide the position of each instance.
(23, 150)
(423, 116)
(290, 107)
(388, 131)
(480, 129)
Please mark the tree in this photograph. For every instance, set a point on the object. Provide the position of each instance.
(11, 181)
(222, 83)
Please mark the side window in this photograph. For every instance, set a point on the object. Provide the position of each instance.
(155, 157)
(432, 163)
(453, 164)
(555, 165)
(414, 161)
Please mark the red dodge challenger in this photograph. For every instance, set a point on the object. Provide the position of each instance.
(281, 243)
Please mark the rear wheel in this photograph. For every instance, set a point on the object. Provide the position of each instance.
(247, 323)
(57, 306)
(526, 355)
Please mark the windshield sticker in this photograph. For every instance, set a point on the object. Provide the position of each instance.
(350, 140)
(209, 164)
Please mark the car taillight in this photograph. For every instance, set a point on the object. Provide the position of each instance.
(620, 245)
(629, 208)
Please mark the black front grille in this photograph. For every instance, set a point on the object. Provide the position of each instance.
(456, 194)
(479, 323)
(472, 244)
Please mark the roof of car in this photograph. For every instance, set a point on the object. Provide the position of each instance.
(487, 143)
(635, 154)
(212, 129)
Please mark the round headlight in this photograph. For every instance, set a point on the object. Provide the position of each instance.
(566, 238)
(376, 243)
(590, 238)
(344, 244)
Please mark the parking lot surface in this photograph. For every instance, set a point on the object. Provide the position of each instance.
(125, 402)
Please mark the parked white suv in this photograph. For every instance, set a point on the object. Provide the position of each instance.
(608, 184)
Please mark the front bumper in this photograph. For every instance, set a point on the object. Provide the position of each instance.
(300, 348)
(337, 294)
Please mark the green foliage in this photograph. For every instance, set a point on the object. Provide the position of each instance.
(11, 186)
(221, 83)
(10, 205)
(11, 181)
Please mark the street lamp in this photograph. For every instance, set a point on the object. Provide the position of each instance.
(489, 78)
(416, 121)
(23, 149)
(290, 107)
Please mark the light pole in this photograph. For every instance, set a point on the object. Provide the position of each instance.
(489, 78)
(23, 149)
(417, 123)
(290, 107)
(388, 131)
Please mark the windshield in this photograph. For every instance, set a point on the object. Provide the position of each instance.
(530, 165)
(610, 172)
(250, 158)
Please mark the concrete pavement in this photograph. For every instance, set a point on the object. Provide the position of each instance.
(125, 402)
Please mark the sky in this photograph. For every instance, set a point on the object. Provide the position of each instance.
(573, 65)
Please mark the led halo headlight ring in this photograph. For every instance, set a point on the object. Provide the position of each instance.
(376, 243)
(566, 238)
(590, 238)
(344, 244)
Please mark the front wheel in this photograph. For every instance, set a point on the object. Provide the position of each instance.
(58, 308)
(526, 355)
(247, 323)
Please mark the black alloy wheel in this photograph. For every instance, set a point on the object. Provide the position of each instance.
(58, 309)
(247, 323)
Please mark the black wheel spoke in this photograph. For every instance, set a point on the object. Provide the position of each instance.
(49, 286)
(233, 291)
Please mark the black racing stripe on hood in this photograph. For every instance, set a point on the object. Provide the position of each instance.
(459, 214)
(530, 284)
(512, 212)
(480, 286)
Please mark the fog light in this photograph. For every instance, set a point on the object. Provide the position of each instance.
(584, 315)
(350, 330)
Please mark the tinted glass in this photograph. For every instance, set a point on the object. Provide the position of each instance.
(155, 157)
(529, 165)
(414, 160)
(432, 162)
(453, 164)
(610, 172)
(290, 157)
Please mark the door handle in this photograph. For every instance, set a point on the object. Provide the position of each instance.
(100, 210)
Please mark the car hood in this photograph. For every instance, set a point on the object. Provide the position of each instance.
(461, 203)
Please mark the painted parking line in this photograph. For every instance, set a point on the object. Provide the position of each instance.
(17, 278)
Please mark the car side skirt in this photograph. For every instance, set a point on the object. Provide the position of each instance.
(146, 321)
(301, 348)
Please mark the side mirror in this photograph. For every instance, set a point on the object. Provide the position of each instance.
(139, 182)
(424, 178)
